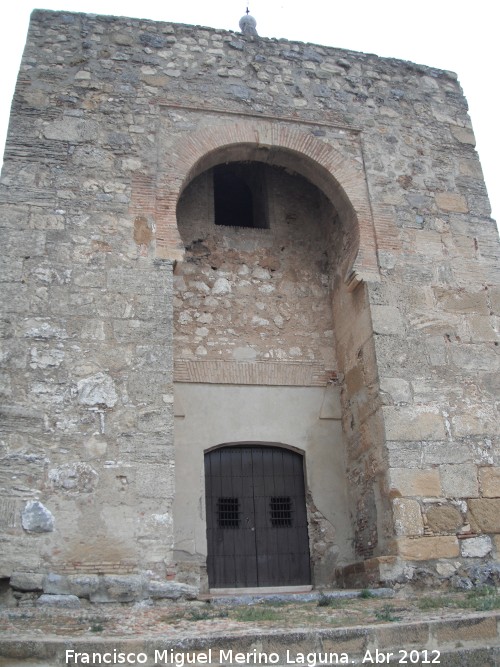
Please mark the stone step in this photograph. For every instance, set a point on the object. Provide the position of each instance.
(455, 642)
(240, 596)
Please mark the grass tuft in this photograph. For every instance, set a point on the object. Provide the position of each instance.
(366, 594)
(249, 614)
(386, 614)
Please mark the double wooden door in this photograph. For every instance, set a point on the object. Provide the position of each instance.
(256, 517)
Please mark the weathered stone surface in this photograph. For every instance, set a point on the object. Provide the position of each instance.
(387, 320)
(408, 423)
(118, 588)
(459, 481)
(77, 477)
(27, 581)
(461, 301)
(83, 585)
(428, 548)
(484, 574)
(97, 391)
(397, 390)
(443, 518)
(478, 422)
(407, 517)
(476, 547)
(170, 590)
(65, 601)
(71, 129)
(414, 482)
(36, 518)
(489, 482)
(446, 569)
(56, 584)
(451, 202)
(484, 514)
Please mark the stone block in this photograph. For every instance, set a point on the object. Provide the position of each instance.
(63, 601)
(463, 134)
(476, 547)
(460, 301)
(170, 590)
(387, 320)
(404, 454)
(434, 453)
(444, 518)
(474, 357)
(118, 588)
(494, 296)
(83, 585)
(56, 584)
(481, 630)
(71, 129)
(27, 581)
(414, 482)
(97, 391)
(429, 243)
(451, 202)
(459, 481)
(489, 482)
(479, 329)
(446, 569)
(411, 423)
(477, 420)
(428, 548)
(36, 518)
(77, 477)
(395, 390)
(407, 517)
(484, 514)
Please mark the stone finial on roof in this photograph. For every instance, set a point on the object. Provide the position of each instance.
(248, 25)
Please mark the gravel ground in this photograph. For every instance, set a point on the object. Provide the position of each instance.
(187, 619)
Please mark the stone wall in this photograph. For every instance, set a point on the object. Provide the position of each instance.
(112, 120)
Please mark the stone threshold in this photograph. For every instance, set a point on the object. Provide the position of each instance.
(260, 590)
(236, 596)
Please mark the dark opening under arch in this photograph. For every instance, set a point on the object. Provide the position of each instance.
(240, 198)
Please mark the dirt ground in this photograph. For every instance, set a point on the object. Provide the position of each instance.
(184, 619)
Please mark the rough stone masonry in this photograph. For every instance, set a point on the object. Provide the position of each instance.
(353, 318)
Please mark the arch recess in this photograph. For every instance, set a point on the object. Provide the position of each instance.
(256, 443)
(341, 179)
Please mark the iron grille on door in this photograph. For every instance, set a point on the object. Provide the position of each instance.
(228, 515)
(280, 508)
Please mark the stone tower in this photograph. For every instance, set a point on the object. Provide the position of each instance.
(250, 295)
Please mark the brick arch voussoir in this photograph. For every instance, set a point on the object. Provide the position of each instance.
(345, 173)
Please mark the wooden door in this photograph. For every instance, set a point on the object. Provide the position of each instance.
(256, 517)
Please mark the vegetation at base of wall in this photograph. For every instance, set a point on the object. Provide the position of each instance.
(387, 614)
(366, 593)
(481, 599)
(249, 614)
(97, 625)
(334, 603)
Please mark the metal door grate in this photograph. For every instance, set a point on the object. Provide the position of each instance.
(228, 512)
(281, 511)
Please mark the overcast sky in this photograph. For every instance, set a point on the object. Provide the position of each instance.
(448, 34)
